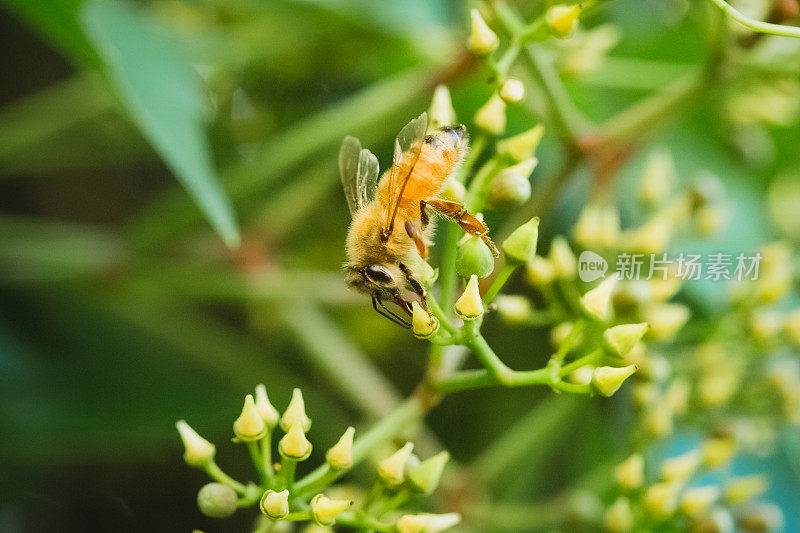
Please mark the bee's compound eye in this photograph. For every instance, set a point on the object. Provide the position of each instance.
(379, 274)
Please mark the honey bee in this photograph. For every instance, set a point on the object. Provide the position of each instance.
(391, 218)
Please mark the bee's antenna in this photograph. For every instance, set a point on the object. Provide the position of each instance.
(384, 311)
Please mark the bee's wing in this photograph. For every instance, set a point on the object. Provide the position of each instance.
(358, 169)
(407, 148)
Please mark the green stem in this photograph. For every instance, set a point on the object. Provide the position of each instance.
(358, 521)
(266, 455)
(475, 342)
(593, 357)
(254, 447)
(757, 25)
(499, 281)
(216, 473)
(288, 467)
(298, 516)
(252, 495)
(475, 194)
(567, 345)
(439, 313)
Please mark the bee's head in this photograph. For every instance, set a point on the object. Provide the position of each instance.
(448, 137)
(383, 280)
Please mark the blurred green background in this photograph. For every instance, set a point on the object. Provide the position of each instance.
(129, 132)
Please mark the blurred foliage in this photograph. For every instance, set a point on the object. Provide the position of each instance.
(122, 310)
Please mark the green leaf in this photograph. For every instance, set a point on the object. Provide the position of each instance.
(163, 95)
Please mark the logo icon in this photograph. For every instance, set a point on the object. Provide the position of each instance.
(591, 266)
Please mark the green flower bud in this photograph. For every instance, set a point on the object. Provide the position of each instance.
(717, 452)
(198, 452)
(512, 186)
(740, 489)
(482, 40)
(441, 112)
(657, 178)
(474, 257)
(216, 500)
(294, 445)
(761, 517)
(661, 499)
(565, 266)
(596, 303)
(520, 246)
(521, 147)
(513, 309)
(469, 305)
(717, 521)
(491, 117)
(340, 456)
(562, 20)
(680, 468)
(425, 476)
(427, 523)
(296, 413)
(392, 469)
(539, 272)
(620, 340)
(454, 190)
(249, 426)
(275, 505)
(629, 474)
(696, 501)
(423, 324)
(619, 517)
(512, 91)
(324, 509)
(267, 411)
(665, 319)
(606, 380)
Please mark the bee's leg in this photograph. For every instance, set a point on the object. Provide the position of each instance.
(422, 248)
(458, 213)
(382, 310)
(423, 214)
(416, 285)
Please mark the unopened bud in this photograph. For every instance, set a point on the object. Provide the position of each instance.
(422, 271)
(474, 258)
(620, 340)
(761, 518)
(268, 413)
(678, 394)
(606, 380)
(619, 517)
(340, 456)
(717, 452)
(597, 226)
(539, 272)
(392, 469)
(512, 91)
(198, 452)
(666, 319)
(216, 500)
(513, 309)
(454, 190)
(249, 426)
(661, 499)
(657, 178)
(562, 258)
(425, 476)
(275, 505)
(512, 186)
(324, 509)
(520, 246)
(491, 117)
(680, 468)
(296, 413)
(629, 474)
(741, 489)
(441, 112)
(522, 146)
(423, 324)
(427, 523)
(560, 333)
(294, 445)
(717, 521)
(563, 20)
(469, 305)
(711, 219)
(659, 419)
(696, 501)
(596, 303)
(482, 40)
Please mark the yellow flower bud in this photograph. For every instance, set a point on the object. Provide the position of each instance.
(606, 380)
(741, 489)
(560, 333)
(392, 469)
(678, 395)
(761, 517)
(666, 319)
(267, 411)
(216, 500)
(425, 476)
(340, 456)
(562, 20)
(491, 117)
(249, 426)
(629, 474)
(427, 523)
(441, 112)
(620, 340)
(711, 219)
(512, 91)
(512, 186)
(482, 40)
(696, 501)
(658, 176)
(513, 309)
(717, 452)
(521, 147)
(198, 452)
(717, 521)
(296, 413)
(520, 246)
(275, 505)
(792, 326)
(619, 517)
(680, 468)
(596, 303)
(294, 445)
(324, 509)
(539, 272)
(659, 419)
(661, 499)
(424, 325)
(469, 305)
(562, 259)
